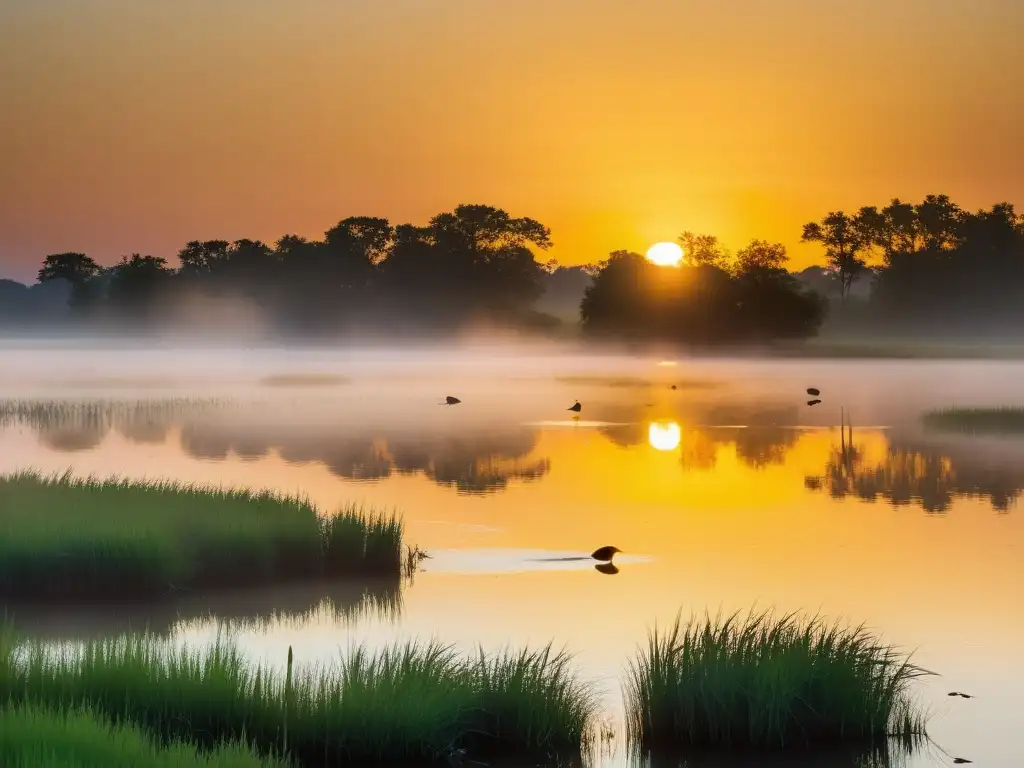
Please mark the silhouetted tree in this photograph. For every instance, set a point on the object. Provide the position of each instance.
(475, 261)
(76, 268)
(138, 285)
(703, 250)
(959, 273)
(761, 254)
(844, 243)
(202, 259)
(702, 304)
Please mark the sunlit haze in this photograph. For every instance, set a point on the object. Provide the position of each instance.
(135, 127)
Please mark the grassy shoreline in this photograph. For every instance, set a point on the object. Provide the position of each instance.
(63, 538)
(403, 703)
(763, 684)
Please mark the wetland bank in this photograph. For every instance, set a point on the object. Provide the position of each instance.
(749, 499)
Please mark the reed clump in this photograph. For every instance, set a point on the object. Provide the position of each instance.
(62, 537)
(412, 702)
(35, 737)
(768, 682)
(1004, 420)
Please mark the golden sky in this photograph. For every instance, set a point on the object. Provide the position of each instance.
(136, 126)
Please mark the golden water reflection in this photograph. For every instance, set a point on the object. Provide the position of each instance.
(664, 435)
(897, 467)
(747, 508)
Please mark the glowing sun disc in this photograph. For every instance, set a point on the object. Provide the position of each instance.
(664, 435)
(665, 254)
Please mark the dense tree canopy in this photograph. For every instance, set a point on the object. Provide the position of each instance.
(476, 262)
(939, 269)
(756, 299)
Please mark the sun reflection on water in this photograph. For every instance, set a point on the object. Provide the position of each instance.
(664, 435)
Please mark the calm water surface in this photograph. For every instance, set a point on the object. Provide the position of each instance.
(724, 493)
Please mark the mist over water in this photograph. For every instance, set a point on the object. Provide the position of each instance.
(724, 493)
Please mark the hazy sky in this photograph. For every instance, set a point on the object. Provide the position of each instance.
(136, 125)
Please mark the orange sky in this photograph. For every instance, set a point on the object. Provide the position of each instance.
(136, 126)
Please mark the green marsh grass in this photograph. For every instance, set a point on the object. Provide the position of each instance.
(62, 537)
(1005, 420)
(412, 702)
(768, 682)
(33, 737)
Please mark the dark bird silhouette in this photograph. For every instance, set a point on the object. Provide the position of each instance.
(673, 386)
(608, 569)
(813, 392)
(575, 407)
(813, 402)
(961, 760)
(961, 695)
(452, 400)
(605, 553)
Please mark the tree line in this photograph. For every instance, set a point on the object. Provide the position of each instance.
(931, 265)
(934, 266)
(474, 262)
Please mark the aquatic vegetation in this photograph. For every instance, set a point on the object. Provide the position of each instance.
(105, 413)
(63, 537)
(768, 682)
(33, 737)
(1005, 420)
(406, 702)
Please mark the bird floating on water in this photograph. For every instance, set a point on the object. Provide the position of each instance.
(813, 402)
(813, 392)
(673, 386)
(575, 407)
(451, 400)
(605, 554)
(961, 760)
(961, 695)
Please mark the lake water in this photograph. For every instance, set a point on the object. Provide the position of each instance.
(725, 493)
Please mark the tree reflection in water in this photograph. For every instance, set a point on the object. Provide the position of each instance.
(909, 471)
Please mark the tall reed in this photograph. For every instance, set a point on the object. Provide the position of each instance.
(767, 682)
(409, 702)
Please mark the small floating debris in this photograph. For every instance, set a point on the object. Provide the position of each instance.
(961, 695)
(813, 402)
(961, 760)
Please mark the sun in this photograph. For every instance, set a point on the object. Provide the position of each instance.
(665, 254)
(664, 435)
